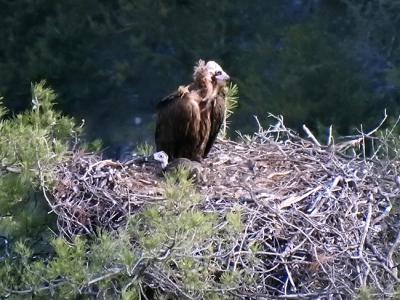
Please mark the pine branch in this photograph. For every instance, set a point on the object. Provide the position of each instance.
(231, 103)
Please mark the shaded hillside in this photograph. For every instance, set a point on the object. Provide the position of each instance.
(315, 62)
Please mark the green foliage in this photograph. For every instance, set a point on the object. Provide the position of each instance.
(307, 85)
(3, 110)
(312, 63)
(397, 292)
(177, 220)
(366, 294)
(74, 267)
(93, 146)
(230, 278)
(393, 76)
(178, 188)
(144, 149)
(231, 103)
(68, 261)
(235, 221)
(232, 96)
(31, 144)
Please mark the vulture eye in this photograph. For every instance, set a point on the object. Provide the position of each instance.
(218, 73)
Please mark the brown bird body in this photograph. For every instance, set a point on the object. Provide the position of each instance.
(189, 119)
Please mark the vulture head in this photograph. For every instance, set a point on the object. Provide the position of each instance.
(210, 72)
(162, 158)
(158, 159)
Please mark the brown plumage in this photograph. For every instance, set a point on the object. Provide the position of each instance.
(189, 119)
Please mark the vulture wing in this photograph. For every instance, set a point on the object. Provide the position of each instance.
(177, 126)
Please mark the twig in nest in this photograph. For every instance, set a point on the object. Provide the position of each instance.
(311, 136)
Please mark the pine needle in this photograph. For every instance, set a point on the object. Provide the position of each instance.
(231, 103)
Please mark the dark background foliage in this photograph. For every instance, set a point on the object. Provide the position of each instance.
(315, 62)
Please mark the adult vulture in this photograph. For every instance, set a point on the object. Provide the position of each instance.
(189, 119)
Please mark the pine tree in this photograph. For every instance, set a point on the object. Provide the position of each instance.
(31, 144)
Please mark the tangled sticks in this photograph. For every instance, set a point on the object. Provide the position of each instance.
(316, 221)
(92, 194)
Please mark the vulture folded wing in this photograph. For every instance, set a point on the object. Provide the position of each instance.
(178, 121)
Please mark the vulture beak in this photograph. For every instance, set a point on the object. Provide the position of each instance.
(222, 77)
(215, 70)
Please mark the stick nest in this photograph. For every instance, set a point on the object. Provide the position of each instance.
(325, 222)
